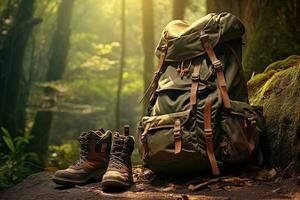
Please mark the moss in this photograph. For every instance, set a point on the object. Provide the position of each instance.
(284, 64)
(257, 81)
(278, 91)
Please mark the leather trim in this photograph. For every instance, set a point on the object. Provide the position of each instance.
(209, 137)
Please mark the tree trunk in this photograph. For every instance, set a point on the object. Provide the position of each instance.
(57, 64)
(148, 43)
(122, 65)
(11, 67)
(233, 6)
(276, 36)
(247, 10)
(178, 9)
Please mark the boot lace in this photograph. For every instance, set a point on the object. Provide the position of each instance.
(118, 153)
(83, 156)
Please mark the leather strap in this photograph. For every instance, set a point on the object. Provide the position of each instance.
(218, 67)
(209, 136)
(195, 83)
(177, 137)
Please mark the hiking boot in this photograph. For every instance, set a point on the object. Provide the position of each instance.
(94, 156)
(119, 170)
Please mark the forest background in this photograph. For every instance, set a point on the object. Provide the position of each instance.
(68, 66)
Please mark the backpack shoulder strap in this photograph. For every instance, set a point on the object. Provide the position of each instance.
(218, 67)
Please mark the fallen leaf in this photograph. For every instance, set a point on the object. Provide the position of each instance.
(171, 187)
(203, 185)
(265, 175)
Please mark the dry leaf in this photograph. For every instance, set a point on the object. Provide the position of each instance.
(203, 185)
(171, 187)
(265, 175)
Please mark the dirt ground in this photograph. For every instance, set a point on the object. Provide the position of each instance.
(252, 184)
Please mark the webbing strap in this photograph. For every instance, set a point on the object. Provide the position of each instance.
(209, 136)
(218, 67)
(195, 84)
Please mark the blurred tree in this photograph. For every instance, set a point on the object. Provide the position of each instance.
(148, 42)
(179, 9)
(122, 65)
(276, 35)
(281, 32)
(57, 64)
(12, 111)
(233, 6)
(246, 10)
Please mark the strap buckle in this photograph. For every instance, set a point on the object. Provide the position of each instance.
(208, 133)
(217, 65)
(203, 35)
(177, 130)
(195, 77)
(177, 135)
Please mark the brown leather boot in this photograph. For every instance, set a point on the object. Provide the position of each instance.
(94, 156)
(119, 171)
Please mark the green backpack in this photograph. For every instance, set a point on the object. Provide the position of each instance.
(198, 116)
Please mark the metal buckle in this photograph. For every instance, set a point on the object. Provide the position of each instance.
(208, 133)
(203, 34)
(177, 130)
(177, 135)
(217, 65)
(195, 77)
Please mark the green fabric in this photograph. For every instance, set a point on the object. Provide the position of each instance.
(173, 101)
(183, 39)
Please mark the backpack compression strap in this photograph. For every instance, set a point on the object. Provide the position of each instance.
(195, 84)
(218, 67)
(209, 137)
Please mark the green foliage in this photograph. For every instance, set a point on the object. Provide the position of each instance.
(61, 156)
(17, 163)
(135, 157)
(86, 97)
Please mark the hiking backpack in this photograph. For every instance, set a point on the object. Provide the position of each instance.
(198, 116)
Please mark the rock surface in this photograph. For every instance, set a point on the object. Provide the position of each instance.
(277, 89)
(40, 186)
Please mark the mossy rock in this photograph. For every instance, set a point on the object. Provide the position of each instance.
(277, 89)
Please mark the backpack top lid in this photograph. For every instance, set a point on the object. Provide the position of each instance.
(183, 39)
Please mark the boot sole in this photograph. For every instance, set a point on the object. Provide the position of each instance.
(112, 183)
(70, 182)
(66, 182)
